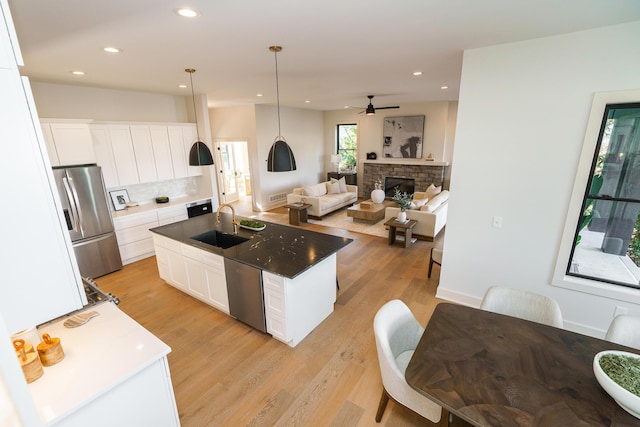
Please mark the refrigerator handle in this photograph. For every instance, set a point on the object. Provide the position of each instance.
(73, 206)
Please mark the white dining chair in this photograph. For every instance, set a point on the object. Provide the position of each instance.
(397, 333)
(624, 330)
(525, 305)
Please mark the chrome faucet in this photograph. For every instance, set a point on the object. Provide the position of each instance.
(233, 217)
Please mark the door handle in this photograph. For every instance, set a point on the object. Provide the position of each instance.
(72, 204)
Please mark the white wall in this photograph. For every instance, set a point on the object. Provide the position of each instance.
(238, 124)
(522, 116)
(258, 125)
(439, 128)
(82, 102)
(303, 131)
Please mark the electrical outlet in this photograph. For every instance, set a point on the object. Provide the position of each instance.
(497, 222)
(620, 310)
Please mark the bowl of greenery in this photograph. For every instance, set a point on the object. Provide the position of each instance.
(618, 372)
(253, 225)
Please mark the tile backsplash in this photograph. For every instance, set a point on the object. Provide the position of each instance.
(173, 188)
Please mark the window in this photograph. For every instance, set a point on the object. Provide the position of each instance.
(347, 144)
(606, 244)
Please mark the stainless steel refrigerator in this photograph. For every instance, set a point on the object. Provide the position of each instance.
(88, 218)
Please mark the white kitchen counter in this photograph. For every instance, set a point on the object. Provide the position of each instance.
(101, 358)
(157, 206)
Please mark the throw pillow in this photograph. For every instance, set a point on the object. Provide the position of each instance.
(432, 191)
(333, 188)
(420, 203)
(308, 191)
(434, 203)
(319, 189)
(343, 184)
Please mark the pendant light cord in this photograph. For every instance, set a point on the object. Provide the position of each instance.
(275, 52)
(193, 98)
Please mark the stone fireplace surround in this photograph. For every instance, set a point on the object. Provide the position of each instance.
(423, 172)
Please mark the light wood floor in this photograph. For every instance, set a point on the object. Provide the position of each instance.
(227, 374)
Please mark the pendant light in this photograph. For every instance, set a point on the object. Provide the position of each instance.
(199, 155)
(281, 157)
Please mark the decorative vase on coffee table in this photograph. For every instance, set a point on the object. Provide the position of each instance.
(402, 216)
(377, 195)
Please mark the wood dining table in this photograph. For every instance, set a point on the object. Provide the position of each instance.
(489, 369)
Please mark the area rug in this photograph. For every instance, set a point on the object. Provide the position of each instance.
(340, 219)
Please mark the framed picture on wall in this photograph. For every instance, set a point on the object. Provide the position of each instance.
(403, 137)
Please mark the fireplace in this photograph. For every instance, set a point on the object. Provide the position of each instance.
(405, 185)
(424, 173)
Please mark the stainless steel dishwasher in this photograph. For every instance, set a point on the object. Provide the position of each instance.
(246, 298)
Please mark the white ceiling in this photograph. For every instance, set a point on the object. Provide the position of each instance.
(335, 52)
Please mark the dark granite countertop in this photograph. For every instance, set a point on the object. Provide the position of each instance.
(286, 251)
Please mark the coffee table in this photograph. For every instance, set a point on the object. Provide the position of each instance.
(394, 225)
(368, 212)
(297, 213)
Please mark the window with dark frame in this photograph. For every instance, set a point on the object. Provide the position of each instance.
(606, 245)
(347, 145)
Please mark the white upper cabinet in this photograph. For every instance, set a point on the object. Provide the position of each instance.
(123, 154)
(161, 152)
(49, 144)
(70, 141)
(178, 151)
(104, 155)
(145, 161)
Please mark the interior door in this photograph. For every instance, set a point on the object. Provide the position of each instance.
(228, 171)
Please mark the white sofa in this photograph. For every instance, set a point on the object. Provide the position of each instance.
(431, 217)
(323, 197)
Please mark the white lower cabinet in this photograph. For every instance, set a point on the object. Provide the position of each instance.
(294, 307)
(134, 238)
(216, 281)
(192, 270)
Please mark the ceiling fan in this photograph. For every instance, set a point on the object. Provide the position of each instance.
(371, 110)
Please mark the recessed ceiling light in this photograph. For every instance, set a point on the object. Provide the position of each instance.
(307, 101)
(259, 94)
(112, 50)
(444, 87)
(346, 106)
(182, 86)
(187, 12)
(417, 73)
(78, 73)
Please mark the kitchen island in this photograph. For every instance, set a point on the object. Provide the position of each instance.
(297, 269)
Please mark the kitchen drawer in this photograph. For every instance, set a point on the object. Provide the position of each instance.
(172, 211)
(136, 249)
(274, 302)
(277, 327)
(134, 234)
(172, 219)
(213, 260)
(159, 240)
(272, 281)
(134, 220)
(192, 252)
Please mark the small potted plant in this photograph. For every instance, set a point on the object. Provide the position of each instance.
(404, 201)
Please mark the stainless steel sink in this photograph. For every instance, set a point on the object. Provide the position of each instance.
(219, 239)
